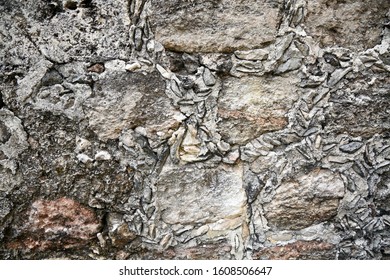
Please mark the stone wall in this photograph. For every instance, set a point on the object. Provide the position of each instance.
(223, 129)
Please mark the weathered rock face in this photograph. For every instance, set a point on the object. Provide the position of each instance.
(307, 200)
(215, 26)
(300, 250)
(203, 196)
(342, 114)
(61, 223)
(145, 129)
(137, 100)
(346, 23)
(251, 106)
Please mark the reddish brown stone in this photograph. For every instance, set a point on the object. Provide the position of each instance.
(61, 223)
(299, 250)
(97, 68)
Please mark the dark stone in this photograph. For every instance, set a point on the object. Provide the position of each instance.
(351, 147)
(360, 112)
(52, 77)
(5, 134)
(331, 59)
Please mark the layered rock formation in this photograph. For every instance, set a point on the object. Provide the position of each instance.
(224, 129)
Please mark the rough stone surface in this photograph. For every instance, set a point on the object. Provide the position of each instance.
(145, 129)
(306, 200)
(215, 26)
(202, 196)
(299, 250)
(128, 100)
(251, 106)
(345, 23)
(61, 223)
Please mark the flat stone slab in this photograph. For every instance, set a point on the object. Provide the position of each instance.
(215, 26)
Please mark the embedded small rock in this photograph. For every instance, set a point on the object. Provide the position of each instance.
(102, 155)
(351, 147)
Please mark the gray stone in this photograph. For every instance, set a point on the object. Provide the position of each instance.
(92, 35)
(222, 129)
(13, 136)
(202, 196)
(128, 100)
(5, 208)
(351, 147)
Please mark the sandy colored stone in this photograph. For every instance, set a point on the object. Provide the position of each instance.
(306, 200)
(127, 100)
(349, 23)
(200, 196)
(215, 26)
(299, 250)
(251, 106)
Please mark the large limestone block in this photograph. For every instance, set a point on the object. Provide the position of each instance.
(127, 100)
(188, 195)
(310, 199)
(251, 106)
(349, 23)
(215, 26)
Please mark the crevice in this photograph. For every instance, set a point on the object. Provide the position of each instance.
(137, 12)
(2, 104)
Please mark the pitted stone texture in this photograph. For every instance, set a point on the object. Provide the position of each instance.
(62, 223)
(307, 200)
(64, 31)
(299, 250)
(361, 110)
(200, 196)
(352, 24)
(127, 100)
(215, 26)
(251, 106)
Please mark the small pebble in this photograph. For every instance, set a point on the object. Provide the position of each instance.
(102, 155)
(133, 66)
(84, 158)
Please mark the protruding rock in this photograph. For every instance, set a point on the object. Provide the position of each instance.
(215, 26)
(102, 155)
(299, 250)
(351, 147)
(201, 196)
(251, 106)
(62, 223)
(310, 199)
